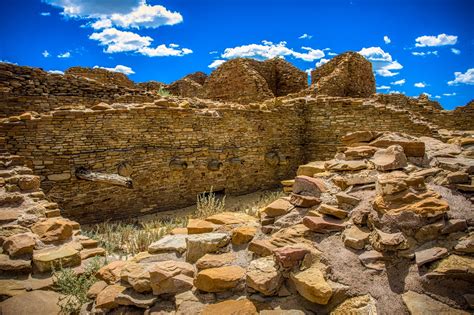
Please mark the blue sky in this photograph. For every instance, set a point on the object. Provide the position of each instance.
(415, 46)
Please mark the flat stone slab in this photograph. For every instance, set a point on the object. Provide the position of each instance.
(323, 224)
(428, 255)
(169, 243)
(423, 304)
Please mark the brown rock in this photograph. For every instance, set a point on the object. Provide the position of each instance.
(36, 302)
(342, 166)
(229, 218)
(14, 265)
(215, 260)
(304, 201)
(358, 305)
(19, 244)
(348, 74)
(277, 208)
(106, 298)
(261, 247)
(92, 252)
(382, 241)
(332, 211)
(311, 168)
(171, 277)
(308, 186)
(197, 226)
(131, 297)
(243, 234)
(388, 159)
(53, 230)
(411, 146)
(65, 256)
(427, 204)
(137, 276)
(373, 259)
(355, 237)
(312, 285)
(423, 304)
(111, 272)
(323, 224)
(29, 182)
(360, 153)
(219, 279)
(288, 257)
(428, 255)
(96, 288)
(231, 307)
(357, 137)
(263, 276)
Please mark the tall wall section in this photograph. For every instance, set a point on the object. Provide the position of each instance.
(256, 149)
(32, 89)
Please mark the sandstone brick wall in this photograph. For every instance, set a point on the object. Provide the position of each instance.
(32, 89)
(102, 76)
(329, 118)
(148, 139)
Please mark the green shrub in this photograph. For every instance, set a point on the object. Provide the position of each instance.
(163, 92)
(74, 287)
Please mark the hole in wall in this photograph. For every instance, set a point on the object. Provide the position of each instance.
(219, 194)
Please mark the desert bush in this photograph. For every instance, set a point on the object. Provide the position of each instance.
(126, 239)
(74, 286)
(208, 204)
(163, 92)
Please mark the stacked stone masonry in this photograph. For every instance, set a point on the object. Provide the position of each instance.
(146, 153)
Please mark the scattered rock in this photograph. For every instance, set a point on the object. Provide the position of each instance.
(243, 234)
(200, 244)
(263, 276)
(231, 307)
(198, 226)
(355, 237)
(65, 256)
(106, 298)
(289, 257)
(171, 277)
(388, 159)
(308, 186)
(332, 211)
(19, 244)
(215, 260)
(323, 224)
(277, 208)
(359, 305)
(312, 285)
(169, 243)
(111, 273)
(131, 297)
(428, 255)
(423, 304)
(219, 279)
(35, 302)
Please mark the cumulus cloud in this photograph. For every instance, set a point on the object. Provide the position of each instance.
(216, 63)
(305, 36)
(94, 8)
(440, 40)
(45, 13)
(387, 39)
(426, 53)
(455, 51)
(449, 94)
(420, 84)
(118, 68)
(463, 78)
(437, 96)
(56, 71)
(125, 41)
(67, 54)
(399, 82)
(268, 50)
(321, 62)
(383, 87)
(45, 54)
(382, 61)
(124, 13)
(332, 54)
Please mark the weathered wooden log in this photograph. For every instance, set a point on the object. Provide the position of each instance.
(112, 179)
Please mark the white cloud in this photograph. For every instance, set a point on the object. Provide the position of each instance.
(118, 68)
(174, 45)
(463, 78)
(213, 52)
(120, 41)
(332, 54)
(9, 62)
(268, 50)
(440, 40)
(399, 82)
(382, 61)
(455, 51)
(102, 23)
(125, 41)
(305, 36)
(383, 87)
(216, 63)
(449, 94)
(148, 16)
(308, 71)
(321, 62)
(45, 54)
(387, 39)
(394, 92)
(67, 54)
(56, 71)
(420, 84)
(94, 8)
(164, 51)
(427, 94)
(422, 54)
(45, 13)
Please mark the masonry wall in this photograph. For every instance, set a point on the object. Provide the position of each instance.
(148, 139)
(327, 119)
(32, 89)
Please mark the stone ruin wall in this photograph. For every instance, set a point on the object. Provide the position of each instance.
(149, 139)
(25, 89)
(293, 129)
